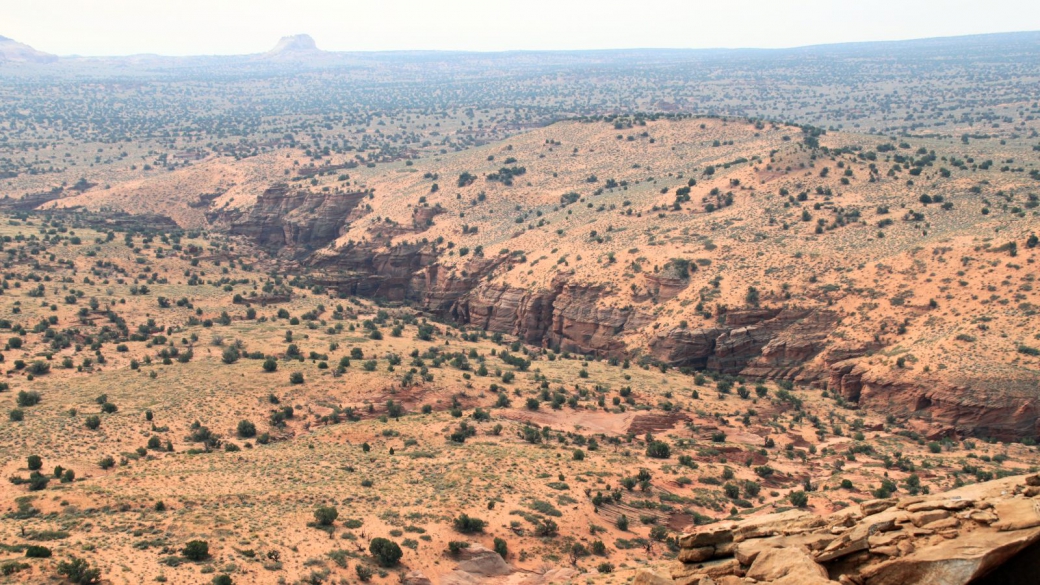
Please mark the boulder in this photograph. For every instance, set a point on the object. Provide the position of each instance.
(950, 505)
(789, 522)
(696, 555)
(787, 565)
(647, 577)
(480, 560)
(416, 578)
(952, 562)
(922, 519)
(871, 507)
(695, 574)
(710, 536)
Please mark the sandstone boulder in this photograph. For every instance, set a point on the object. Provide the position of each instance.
(480, 560)
(788, 565)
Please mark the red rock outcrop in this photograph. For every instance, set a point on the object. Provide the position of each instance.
(1005, 415)
(984, 533)
(586, 317)
(295, 221)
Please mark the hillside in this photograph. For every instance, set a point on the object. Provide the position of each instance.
(822, 266)
(11, 51)
(643, 316)
(201, 396)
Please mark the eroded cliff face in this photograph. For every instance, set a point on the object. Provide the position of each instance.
(395, 274)
(294, 222)
(761, 343)
(505, 309)
(1005, 415)
(592, 318)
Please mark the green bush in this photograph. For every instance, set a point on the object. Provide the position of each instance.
(469, 525)
(658, 450)
(34, 551)
(325, 515)
(37, 481)
(621, 522)
(386, 552)
(246, 429)
(230, 355)
(456, 546)
(78, 571)
(28, 398)
(798, 499)
(196, 550)
(501, 547)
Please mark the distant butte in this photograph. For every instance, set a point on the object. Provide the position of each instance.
(295, 45)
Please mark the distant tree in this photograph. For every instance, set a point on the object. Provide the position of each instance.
(27, 398)
(799, 499)
(196, 550)
(501, 547)
(34, 551)
(658, 450)
(386, 552)
(325, 515)
(37, 481)
(246, 429)
(230, 355)
(78, 571)
(621, 522)
(469, 525)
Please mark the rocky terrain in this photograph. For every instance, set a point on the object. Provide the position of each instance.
(689, 303)
(983, 534)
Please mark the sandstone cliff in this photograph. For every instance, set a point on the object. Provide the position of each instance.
(294, 222)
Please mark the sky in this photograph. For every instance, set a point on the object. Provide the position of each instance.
(226, 27)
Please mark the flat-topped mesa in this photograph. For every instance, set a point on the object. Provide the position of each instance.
(294, 45)
(985, 533)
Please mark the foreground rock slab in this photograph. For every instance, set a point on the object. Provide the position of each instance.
(952, 538)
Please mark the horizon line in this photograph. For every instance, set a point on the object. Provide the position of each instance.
(320, 51)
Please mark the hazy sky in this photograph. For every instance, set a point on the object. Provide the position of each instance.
(192, 27)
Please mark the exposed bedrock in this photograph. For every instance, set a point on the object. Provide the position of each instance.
(985, 533)
(765, 343)
(1003, 415)
(295, 222)
(788, 343)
